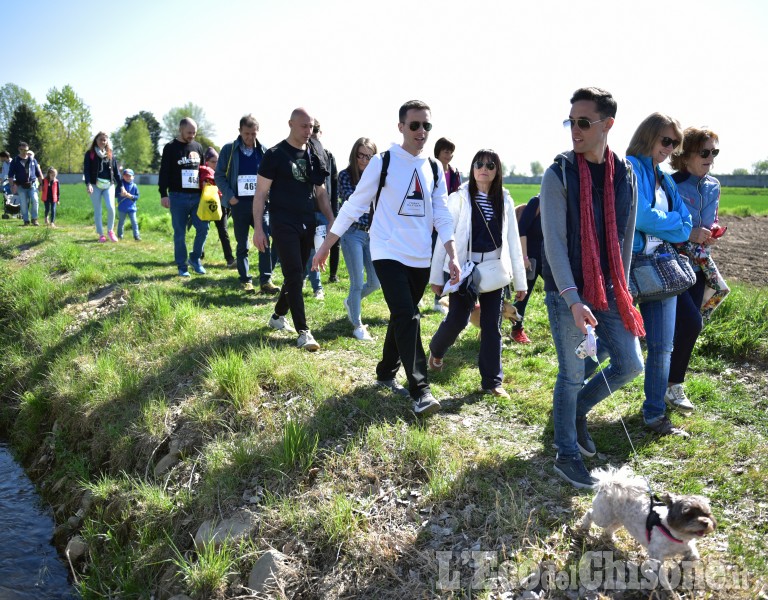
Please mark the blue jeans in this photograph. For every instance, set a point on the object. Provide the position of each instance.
(460, 306)
(572, 397)
(184, 208)
(659, 319)
(29, 202)
(134, 224)
(314, 276)
(356, 247)
(109, 199)
(50, 206)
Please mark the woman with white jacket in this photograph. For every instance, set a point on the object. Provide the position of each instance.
(485, 229)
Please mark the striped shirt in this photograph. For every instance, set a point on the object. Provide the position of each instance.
(482, 239)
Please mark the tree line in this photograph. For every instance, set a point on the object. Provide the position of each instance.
(59, 130)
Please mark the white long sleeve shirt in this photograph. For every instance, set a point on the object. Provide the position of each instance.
(410, 205)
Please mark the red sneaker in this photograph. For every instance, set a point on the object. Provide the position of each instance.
(519, 336)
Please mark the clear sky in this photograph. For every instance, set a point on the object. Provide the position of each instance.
(497, 74)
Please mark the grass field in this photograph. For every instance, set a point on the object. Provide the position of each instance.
(112, 363)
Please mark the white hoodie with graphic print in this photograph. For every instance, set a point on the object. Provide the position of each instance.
(410, 205)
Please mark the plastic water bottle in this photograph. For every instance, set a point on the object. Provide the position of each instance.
(319, 236)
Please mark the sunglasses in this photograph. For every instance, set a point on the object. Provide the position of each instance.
(490, 165)
(706, 152)
(364, 156)
(415, 125)
(582, 123)
(667, 142)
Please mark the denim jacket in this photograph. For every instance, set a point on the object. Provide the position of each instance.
(701, 195)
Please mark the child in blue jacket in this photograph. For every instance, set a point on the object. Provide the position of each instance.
(127, 206)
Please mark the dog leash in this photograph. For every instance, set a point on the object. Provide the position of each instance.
(590, 351)
(588, 348)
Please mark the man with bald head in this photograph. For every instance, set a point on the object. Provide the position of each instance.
(179, 192)
(291, 175)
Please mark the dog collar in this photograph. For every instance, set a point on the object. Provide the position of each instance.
(654, 520)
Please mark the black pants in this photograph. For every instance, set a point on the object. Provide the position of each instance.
(293, 242)
(403, 286)
(333, 260)
(221, 227)
(688, 326)
(521, 304)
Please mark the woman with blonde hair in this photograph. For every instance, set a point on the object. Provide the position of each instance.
(103, 181)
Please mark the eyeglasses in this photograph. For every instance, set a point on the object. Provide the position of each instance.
(490, 165)
(415, 125)
(667, 142)
(706, 152)
(364, 156)
(582, 123)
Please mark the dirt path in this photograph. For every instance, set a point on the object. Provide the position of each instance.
(742, 253)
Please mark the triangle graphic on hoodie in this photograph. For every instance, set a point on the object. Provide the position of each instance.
(413, 204)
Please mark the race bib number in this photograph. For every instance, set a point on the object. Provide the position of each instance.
(189, 179)
(246, 185)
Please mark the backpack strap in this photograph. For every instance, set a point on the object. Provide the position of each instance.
(382, 180)
(433, 162)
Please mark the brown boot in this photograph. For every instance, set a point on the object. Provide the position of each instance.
(35, 223)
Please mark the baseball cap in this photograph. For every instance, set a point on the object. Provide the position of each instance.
(129, 171)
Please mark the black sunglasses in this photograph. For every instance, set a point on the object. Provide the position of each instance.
(364, 156)
(490, 165)
(667, 142)
(706, 152)
(415, 125)
(582, 123)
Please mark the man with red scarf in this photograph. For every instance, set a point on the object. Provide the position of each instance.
(588, 208)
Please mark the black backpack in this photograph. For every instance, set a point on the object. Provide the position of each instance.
(383, 178)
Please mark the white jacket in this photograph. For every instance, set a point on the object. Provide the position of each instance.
(409, 207)
(459, 204)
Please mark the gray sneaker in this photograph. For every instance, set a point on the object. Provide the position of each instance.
(426, 405)
(575, 473)
(307, 342)
(393, 386)
(664, 427)
(281, 324)
(676, 399)
(583, 439)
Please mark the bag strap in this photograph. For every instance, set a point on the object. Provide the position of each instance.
(385, 157)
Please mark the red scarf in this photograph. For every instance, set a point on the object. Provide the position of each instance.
(594, 282)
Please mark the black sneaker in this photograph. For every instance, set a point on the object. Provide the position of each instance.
(575, 473)
(583, 439)
(426, 405)
(664, 427)
(393, 386)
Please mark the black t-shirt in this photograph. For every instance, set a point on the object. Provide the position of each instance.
(290, 197)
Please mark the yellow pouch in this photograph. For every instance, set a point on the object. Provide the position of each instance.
(209, 208)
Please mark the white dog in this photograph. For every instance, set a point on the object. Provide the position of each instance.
(666, 529)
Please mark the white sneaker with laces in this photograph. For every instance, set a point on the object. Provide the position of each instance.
(307, 342)
(361, 333)
(319, 295)
(281, 324)
(675, 398)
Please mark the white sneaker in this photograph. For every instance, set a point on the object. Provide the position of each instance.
(361, 333)
(440, 308)
(319, 295)
(307, 342)
(675, 398)
(281, 324)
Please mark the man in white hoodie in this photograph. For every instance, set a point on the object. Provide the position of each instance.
(412, 202)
